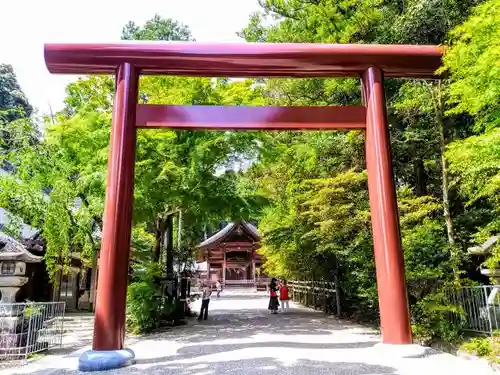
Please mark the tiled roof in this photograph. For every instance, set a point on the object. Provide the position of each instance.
(220, 235)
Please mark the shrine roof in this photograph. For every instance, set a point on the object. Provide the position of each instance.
(230, 228)
(11, 249)
(245, 59)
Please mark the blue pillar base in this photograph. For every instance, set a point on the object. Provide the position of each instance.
(94, 360)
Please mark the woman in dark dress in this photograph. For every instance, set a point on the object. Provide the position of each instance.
(273, 299)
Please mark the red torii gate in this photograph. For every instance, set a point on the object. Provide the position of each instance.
(129, 60)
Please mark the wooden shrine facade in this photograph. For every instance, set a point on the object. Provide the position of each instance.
(230, 255)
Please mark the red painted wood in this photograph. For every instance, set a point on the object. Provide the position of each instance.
(391, 284)
(109, 326)
(250, 118)
(238, 243)
(245, 59)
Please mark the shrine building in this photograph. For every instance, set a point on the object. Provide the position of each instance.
(230, 256)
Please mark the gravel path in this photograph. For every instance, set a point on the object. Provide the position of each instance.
(241, 337)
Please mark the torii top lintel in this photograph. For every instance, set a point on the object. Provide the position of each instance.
(245, 59)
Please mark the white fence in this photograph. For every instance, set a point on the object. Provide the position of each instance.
(28, 328)
(478, 308)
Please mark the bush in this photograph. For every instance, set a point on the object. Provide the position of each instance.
(488, 347)
(144, 299)
(479, 346)
(432, 321)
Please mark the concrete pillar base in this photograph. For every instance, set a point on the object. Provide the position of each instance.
(401, 351)
(96, 360)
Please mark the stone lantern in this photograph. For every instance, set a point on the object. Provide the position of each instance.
(13, 259)
(485, 250)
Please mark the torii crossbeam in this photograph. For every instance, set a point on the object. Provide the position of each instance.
(128, 60)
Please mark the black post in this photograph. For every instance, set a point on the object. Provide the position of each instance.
(183, 295)
(169, 259)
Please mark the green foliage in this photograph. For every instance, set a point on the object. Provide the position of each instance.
(144, 298)
(58, 186)
(15, 111)
(472, 61)
(474, 164)
(317, 220)
(157, 28)
(487, 347)
(174, 170)
(431, 320)
(13, 102)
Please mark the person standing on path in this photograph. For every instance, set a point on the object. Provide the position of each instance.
(219, 288)
(205, 301)
(284, 298)
(273, 296)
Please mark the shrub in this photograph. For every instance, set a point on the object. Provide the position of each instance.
(144, 299)
(432, 322)
(479, 346)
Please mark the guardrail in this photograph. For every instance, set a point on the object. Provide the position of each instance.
(28, 328)
(319, 295)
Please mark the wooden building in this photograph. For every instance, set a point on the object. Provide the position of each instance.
(73, 287)
(230, 256)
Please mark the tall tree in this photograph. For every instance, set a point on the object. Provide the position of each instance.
(13, 102)
(157, 28)
(14, 107)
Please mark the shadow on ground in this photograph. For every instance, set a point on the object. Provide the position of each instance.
(254, 366)
(241, 336)
(194, 351)
(246, 323)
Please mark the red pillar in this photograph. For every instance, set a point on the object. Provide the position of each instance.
(109, 326)
(391, 282)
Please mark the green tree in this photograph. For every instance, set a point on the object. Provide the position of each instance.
(471, 62)
(157, 28)
(14, 107)
(13, 101)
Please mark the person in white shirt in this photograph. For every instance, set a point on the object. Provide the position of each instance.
(205, 301)
(219, 288)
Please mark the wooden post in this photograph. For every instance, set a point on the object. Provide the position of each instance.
(224, 269)
(93, 280)
(337, 294)
(253, 271)
(109, 325)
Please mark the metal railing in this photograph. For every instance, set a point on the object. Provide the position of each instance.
(28, 328)
(478, 308)
(316, 294)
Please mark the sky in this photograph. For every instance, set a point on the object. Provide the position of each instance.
(27, 24)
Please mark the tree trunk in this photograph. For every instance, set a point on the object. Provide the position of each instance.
(93, 281)
(439, 113)
(157, 248)
(160, 229)
(446, 198)
(443, 140)
(420, 177)
(169, 246)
